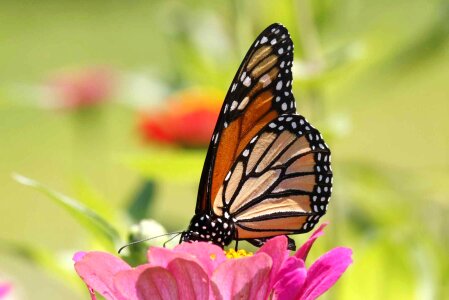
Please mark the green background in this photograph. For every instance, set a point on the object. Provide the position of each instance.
(380, 96)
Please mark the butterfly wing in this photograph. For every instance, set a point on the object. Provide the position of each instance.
(280, 183)
(259, 93)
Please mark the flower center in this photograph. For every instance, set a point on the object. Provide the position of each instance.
(231, 253)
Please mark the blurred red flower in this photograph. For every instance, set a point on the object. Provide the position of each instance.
(188, 119)
(83, 88)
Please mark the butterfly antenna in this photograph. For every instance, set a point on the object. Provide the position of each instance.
(148, 239)
(170, 239)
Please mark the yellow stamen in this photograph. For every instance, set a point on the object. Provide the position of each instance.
(231, 253)
(213, 256)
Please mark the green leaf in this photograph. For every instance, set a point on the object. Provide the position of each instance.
(92, 221)
(92, 198)
(140, 204)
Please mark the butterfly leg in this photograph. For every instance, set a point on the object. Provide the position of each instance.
(236, 240)
(260, 242)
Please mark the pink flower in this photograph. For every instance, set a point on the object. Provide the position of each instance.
(5, 289)
(203, 271)
(82, 88)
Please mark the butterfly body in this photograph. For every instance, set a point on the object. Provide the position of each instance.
(267, 170)
(210, 228)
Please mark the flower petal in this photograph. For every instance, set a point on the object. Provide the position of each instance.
(323, 273)
(243, 278)
(290, 279)
(158, 256)
(78, 256)
(97, 270)
(276, 248)
(125, 282)
(208, 255)
(192, 280)
(156, 283)
(5, 289)
(305, 248)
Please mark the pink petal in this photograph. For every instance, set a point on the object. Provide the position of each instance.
(158, 256)
(208, 255)
(323, 273)
(192, 280)
(305, 248)
(243, 278)
(78, 256)
(158, 284)
(125, 282)
(276, 248)
(5, 289)
(97, 270)
(290, 280)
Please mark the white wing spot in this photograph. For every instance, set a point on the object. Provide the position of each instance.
(245, 153)
(278, 99)
(282, 64)
(234, 86)
(234, 105)
(263, 40)
(273, 41)
(279, 85)
(247, 81)
(284, 106)
(228, 176)
(293, 125)
(272, 125)
(243, 76)
(281, 50)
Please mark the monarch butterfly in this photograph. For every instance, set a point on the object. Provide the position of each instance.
(267, 171)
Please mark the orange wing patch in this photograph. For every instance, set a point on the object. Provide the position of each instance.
(252, 104)
(282, 179)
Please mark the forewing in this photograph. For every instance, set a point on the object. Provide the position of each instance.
(259, 93)
(281, 182)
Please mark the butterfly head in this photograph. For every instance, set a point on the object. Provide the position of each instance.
(217, 230)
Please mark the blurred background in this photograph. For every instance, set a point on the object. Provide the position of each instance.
(107, 107)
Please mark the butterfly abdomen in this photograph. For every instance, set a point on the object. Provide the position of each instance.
(218, 230)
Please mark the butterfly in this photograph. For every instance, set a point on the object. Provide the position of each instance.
(267, 171)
